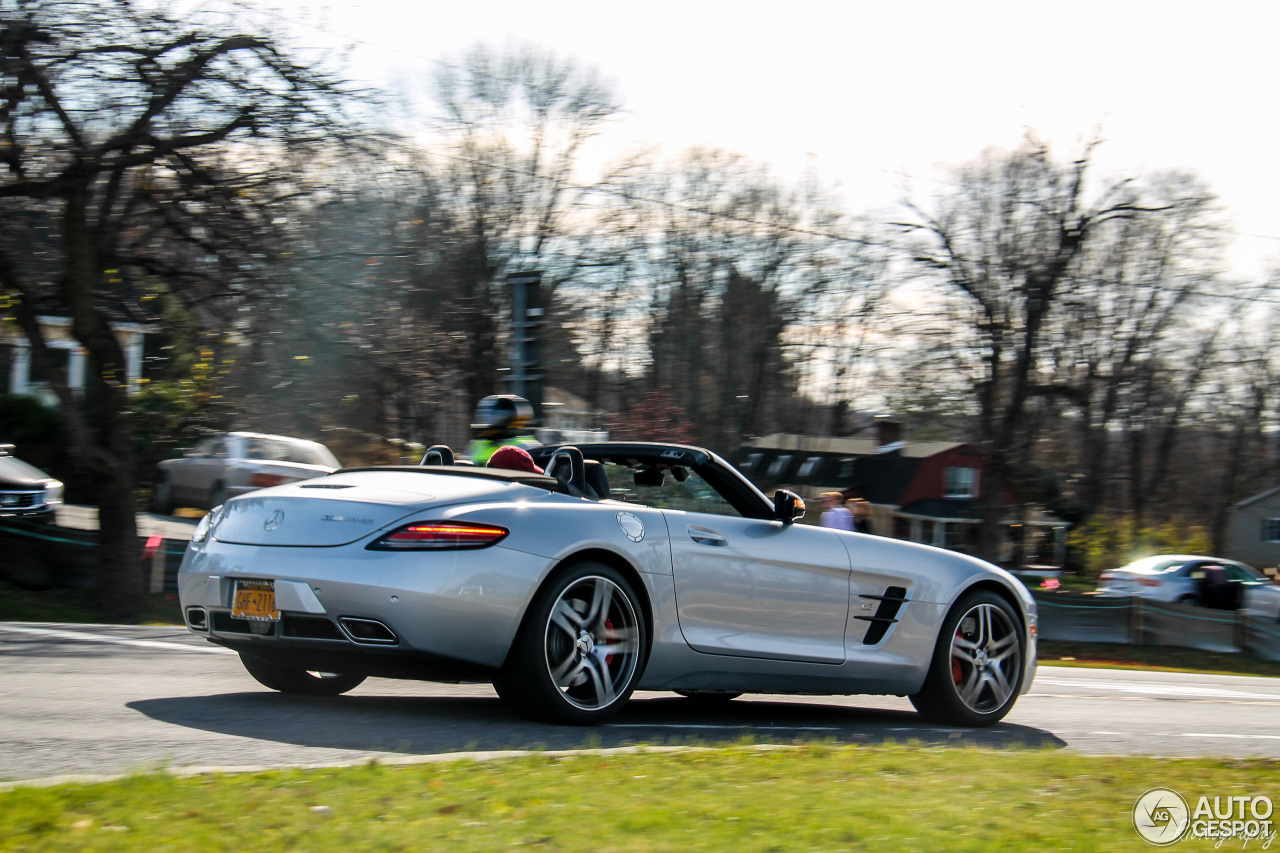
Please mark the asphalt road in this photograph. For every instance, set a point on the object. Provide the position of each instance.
(77, 699)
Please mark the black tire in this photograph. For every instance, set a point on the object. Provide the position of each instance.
(709, 697)
(162, 498)
(975, 675)
(286, 679)
(1190, 600)
(580, 650)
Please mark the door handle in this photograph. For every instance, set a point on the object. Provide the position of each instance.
(705, 536)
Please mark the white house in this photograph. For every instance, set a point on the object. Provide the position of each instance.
(1253, 530)
(17, 378)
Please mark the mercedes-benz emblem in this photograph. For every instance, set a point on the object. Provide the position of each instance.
(276, 519)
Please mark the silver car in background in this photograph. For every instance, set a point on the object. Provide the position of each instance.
(233, 463)
(1179, 579)
(624, 566)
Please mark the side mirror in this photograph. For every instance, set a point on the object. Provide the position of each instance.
(787, 506)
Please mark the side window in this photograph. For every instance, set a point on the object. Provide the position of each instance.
(750, 463)
(219, 450)
(810, 466)
(960, 483)
(1271, 530)
(779, 466)
(692, 494)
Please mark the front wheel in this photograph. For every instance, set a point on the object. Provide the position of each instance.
(287, 679)
(976, 671)
(580, 651)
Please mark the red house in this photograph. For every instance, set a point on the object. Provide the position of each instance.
(920, 491)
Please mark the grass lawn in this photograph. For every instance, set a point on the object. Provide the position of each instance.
(814, 797)
(1168, 658)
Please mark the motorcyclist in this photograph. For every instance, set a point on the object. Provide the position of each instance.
(501, 420)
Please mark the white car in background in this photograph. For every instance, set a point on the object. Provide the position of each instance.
(232, 463)
(1178, 578)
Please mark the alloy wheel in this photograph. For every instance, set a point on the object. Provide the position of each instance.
(592, 642)
(986, 658)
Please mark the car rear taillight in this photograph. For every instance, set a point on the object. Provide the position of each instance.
(262, 481)
(1106, 576)
(440, 536)
(1149, 582)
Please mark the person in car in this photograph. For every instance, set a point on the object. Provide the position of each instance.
(514, 458)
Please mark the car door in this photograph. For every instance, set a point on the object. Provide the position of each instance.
(202, 472)
(1258, 594)
(755, 588)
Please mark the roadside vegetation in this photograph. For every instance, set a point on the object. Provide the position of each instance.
(1166, 658)
(78, 606)
(812, 797)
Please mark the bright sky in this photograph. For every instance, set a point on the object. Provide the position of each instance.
(880, 97)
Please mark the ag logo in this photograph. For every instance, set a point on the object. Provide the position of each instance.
(275, 520)
(1161, 816)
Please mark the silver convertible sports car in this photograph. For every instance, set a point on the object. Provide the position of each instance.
(624, 566)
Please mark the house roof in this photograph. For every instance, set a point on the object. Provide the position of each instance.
(846, 446)
(1263, 496)
(882, 478)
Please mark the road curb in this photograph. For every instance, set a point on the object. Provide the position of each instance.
(390, 759)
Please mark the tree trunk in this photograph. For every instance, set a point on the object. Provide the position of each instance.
(109, 447)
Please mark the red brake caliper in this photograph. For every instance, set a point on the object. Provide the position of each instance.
(957, 675)
(608, 636)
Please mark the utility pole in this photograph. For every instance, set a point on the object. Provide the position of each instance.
(526, 330)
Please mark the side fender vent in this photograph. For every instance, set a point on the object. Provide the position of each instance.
(886, 614)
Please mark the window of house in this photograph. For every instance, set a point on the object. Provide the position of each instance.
(810, 466)
(960, 483)
(779, 465)
(1271, 530)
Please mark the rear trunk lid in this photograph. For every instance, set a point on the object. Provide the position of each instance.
(346, 507)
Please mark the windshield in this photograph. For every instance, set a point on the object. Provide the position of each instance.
(280, 450)
(691, 493)
(1154, 565)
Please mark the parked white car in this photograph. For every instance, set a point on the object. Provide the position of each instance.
(233, 463)
(1179, 578)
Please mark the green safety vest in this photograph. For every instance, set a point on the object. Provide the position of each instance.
(481, 449)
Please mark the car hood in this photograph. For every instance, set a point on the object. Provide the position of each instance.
(16, 474)
(345, 507)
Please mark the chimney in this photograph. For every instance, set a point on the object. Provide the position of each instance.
(888, 433)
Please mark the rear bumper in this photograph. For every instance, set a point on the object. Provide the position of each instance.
(458, 608)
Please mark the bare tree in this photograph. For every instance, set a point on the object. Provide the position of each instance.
(153, 145)
(1005, 244)
(514, 124)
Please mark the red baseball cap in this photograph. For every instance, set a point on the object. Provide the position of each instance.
(513, 459)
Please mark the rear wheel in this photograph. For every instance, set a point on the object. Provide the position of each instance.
(580, 651)
(976, 672)
(287, 679)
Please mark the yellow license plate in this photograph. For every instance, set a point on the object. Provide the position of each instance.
(255, 600)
